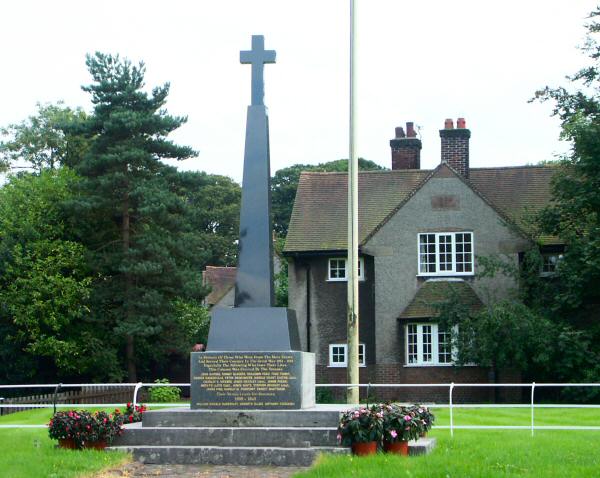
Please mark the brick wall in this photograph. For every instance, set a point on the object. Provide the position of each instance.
(455, 147)
(397, 373)
(406, 153)
(406, 148)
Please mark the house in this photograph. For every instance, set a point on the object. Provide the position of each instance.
(421, 233)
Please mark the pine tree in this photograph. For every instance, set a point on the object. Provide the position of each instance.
(131, 218)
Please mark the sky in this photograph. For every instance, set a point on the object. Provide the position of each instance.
(420, 61)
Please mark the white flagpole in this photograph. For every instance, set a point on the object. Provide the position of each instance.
(352, 395)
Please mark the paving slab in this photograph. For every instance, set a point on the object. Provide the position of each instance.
(139, 470)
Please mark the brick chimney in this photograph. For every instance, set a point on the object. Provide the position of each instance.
(455, 145)
(406, 148)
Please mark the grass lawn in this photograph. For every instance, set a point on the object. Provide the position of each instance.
(471, 453)
(487, 453)
(29, 453)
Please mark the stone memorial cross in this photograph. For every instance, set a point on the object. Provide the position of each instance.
(253, 358)
(254, 282)
(257, 57)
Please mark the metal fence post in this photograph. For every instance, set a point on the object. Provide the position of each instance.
(58, 387)
(532, 419)
(451, 414)
(1, 403)
(135, 392)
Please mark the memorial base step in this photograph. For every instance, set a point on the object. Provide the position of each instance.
(217, 455)
(239, 437)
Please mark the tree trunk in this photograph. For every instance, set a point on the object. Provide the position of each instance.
(130, 357)
(494, 379)
(125, 236)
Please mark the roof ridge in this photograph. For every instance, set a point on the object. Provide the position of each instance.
(520, 166)
(368, 171)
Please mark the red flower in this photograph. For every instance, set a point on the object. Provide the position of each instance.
(130, 418)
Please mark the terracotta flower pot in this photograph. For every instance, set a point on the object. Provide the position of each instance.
(96, 445)
(68, 443)
(362, 449)
(398, 447)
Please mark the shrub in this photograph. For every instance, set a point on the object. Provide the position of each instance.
(324, 395)
(424, 414)
(164, 394)
(131, 414)
(361, 426)
(400, 423)
(83, 427)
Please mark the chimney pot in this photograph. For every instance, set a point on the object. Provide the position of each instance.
(461, 123)
(410, 130)
(400, 132)
(449, 124)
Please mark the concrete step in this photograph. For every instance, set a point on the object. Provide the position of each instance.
(241, 418)
(215, 455)
(292, 437)
(422, 446)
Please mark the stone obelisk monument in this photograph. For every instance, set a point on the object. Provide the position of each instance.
(253, 358)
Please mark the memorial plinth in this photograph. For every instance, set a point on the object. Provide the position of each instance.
(253, 380)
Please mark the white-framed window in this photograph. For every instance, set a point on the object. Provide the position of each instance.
(337, 269)
(550, 262)
(339, 358)
(445, 253)
(428, 344)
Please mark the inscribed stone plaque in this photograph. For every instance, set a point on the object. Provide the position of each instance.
(253, 380)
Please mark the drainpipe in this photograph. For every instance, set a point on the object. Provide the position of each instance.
(308, 307)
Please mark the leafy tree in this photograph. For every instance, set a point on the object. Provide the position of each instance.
(574, 214)
(46, 139)
(44, 281)
(129, 213)
(285, 182)
(281, 277)
(213, 214)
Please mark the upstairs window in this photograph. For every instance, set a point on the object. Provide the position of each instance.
(549, 264)
(338, 272)
(339, 358)
(446, 253)
(428, 344)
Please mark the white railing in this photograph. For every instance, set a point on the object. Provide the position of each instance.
(59, 387)
(450, 405)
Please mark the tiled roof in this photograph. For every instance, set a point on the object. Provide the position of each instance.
(436, 291)
(319, 217)
(220, 280)
(519, 192)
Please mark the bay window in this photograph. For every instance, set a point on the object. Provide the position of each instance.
(428, 344)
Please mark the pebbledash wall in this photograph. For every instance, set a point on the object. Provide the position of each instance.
(445, 203)
(394, 250)
(391, 281)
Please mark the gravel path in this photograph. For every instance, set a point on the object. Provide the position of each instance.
(138, 470)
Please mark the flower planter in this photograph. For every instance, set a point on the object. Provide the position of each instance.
(362, 449)
(95, 445)
(67, 443)
(398, 447)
